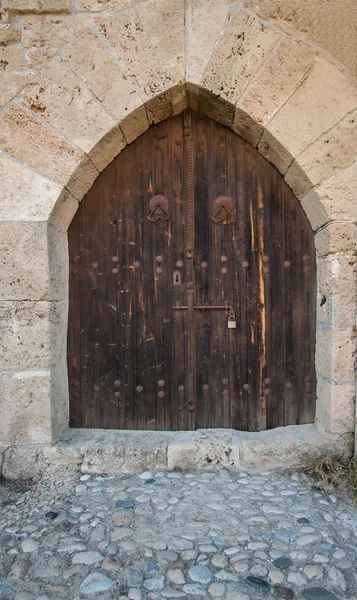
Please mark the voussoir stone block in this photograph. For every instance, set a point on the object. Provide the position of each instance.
(27, 334)
(24, 266)
(48, 30)
(336, 237)
(71, 108)
(335, 355)
(124, 32)
(26, 138)
(323, 99)
(38, 6)
(25, 410)
(239, 52)
(336, 149)
(164, 23)
(334, 199)
(335, 406)
(204, 21)
(11, 59)
(272, 85)
(336, 292)
(92, 61)
(9, 34)
(11, 85)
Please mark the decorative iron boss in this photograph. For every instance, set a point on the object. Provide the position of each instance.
(159, 209)
(223, 211)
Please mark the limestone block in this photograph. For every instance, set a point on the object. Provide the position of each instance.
(24, 264)
(86, 21)
(11, 85)
(323, 99)
(25, 412)
(204, 449)
(37, 58)
(272, 85)
(9, 34)
(159, 108)
(336, 237)
(38, 6)
(52, 31)
(29, 140)
(214, 107)
(335, 406)
(100, 5)
(125, 34)
(336, 355)
(334, 199)
(336, 292)
(27, 334)
(11, 59)
(164, 22)
(91, 60)
(205, 20)
(240, 51)
(59, 390)
(70, 107)
(336, 149)
(23, 462)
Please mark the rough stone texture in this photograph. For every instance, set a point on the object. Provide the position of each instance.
(332, 25)
(168, 39)
(275, 81)
(100, 5)
(336, 149)
(336, 237)
(334, 199)
(27, 339)
(92, 61)
(25, 415)
(204, 22)
(64, 101)
(336, 355)
(240, 51)
(323, 99)
(125, 34)
(24, 279)
(11, 59)
(11, 84)
(335, 406)
(336, 292)
(38, 6)
(204, 448)
(27, 139)
(47, 31)
(9, 34)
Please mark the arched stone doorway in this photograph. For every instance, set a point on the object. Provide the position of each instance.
(192, 288)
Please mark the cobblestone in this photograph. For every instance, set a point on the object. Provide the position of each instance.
(211, 534)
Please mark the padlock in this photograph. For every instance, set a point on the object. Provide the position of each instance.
(232, 323)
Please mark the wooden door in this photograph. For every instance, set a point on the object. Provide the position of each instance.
(187, 228)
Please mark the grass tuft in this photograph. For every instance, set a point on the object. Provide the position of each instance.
(334, 473)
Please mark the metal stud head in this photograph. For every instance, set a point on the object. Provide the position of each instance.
(115, 271)
(245, 264)
(159, 270)
(161, 383)
(224, 270)
(161, 394)
(204, 265)
(225, 381)
(117, 383)
(115, 259)
(246, 387)
(181, 388)
(205, 387)
(179, 264)
(136, 264)
(139, 388)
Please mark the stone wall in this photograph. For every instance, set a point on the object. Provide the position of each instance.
(80, 79)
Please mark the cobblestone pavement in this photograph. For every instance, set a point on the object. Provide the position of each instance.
(214, 534)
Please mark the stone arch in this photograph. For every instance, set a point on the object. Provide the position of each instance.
(63, 125)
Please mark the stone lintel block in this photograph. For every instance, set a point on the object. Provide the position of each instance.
(28, 334)
(336, 237)
(239, 52)
(94, 6)
(334, 150)
(324, 98)
(124, 33)
(38, 6)
(336, 292)
(26, 138)
(335, 406)
(335, 199)
(275, 81)
(215, 107)
(25, 408)
(205, 20)
(47, 31)
(164, 23)
(90, 58)
(336, 355)
(67, 104)
(9, 34)
(27, 249)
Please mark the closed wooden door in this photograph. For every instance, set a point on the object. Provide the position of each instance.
(192, 288)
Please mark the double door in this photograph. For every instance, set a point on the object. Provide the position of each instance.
(192, 288)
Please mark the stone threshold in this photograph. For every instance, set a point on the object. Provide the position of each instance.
(113, 451)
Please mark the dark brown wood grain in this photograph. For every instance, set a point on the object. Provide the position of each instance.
(129, 362)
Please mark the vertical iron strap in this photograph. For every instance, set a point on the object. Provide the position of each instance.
(190, 243)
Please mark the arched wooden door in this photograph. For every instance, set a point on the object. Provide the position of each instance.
(192, 288)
